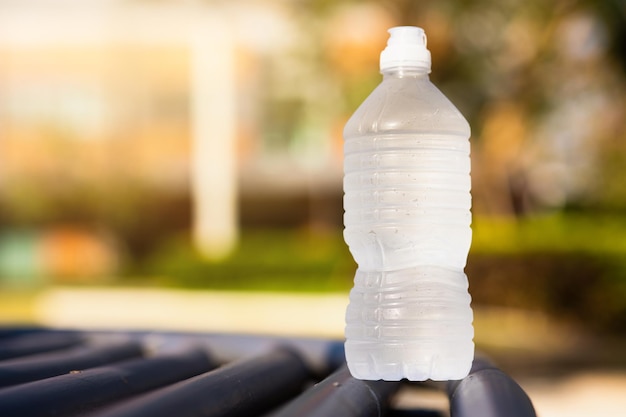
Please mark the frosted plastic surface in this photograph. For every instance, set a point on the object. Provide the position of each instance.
(407, 223)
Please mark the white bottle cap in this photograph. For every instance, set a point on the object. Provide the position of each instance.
(406, 47)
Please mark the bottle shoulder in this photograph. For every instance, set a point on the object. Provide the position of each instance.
(406, 105)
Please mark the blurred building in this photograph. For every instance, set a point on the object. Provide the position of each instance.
(104, 105)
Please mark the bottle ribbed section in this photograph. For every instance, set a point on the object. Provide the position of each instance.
(407, 222)
(414, 323)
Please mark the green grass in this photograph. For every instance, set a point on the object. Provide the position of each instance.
(270, 260)
(17, 307)
(558, 233)
(300, 260)
(568, 265)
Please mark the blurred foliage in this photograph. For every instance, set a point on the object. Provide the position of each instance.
(542, 83)
(569, 265)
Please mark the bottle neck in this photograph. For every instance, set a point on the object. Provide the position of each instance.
(405, 72)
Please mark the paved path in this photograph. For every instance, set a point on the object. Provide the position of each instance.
(584, 394)
(221, 311)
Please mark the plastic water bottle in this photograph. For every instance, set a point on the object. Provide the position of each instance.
(407, 223)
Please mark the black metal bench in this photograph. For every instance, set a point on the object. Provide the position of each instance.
(122, 374)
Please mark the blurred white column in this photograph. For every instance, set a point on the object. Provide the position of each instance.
(212, 106)
(213, 176)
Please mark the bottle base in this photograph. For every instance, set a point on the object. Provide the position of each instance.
(414, 361)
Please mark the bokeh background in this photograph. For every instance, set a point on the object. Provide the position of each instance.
(151, 148)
